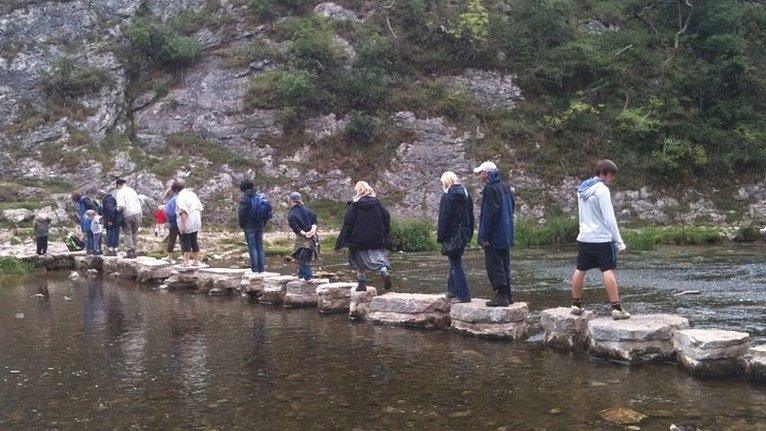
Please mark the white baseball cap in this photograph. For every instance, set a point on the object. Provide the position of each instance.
(485, 167)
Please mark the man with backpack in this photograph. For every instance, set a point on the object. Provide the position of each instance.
(253, 211)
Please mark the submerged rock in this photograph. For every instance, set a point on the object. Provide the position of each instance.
(334, 297)
(359, 305)
(711, 352)
(622, 416)
(475, 318)
(641, 338)
(756, 364)
(415, 310)
(74, 275)
(565, 330)
(302, 293)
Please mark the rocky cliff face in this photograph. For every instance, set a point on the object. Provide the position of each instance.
(122, 120)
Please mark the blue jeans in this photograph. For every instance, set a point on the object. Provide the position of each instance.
(254, 241)
(97, 243)
(304, 270)
(113, 237)
(89, 242)
(457, 285)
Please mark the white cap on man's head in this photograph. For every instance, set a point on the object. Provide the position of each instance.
(485, 167)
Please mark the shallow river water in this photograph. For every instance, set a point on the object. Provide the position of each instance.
(108, 355)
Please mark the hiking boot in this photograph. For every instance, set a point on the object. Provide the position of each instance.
(387, 281)
(499, 300)
(620, 315)
(361, 285)
(577, 310)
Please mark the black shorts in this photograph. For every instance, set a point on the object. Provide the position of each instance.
(601, 255)
(189, 242)
(171, 240)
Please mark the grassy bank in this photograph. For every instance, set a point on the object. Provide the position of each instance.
(13, 266)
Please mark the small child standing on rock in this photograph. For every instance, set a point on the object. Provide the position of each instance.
(160, 221)
(41, 226)
(96, 229)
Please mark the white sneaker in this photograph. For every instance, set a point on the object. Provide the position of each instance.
(620, 315)
(577, 310)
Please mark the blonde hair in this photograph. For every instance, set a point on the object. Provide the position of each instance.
(90, 213)
(362, 188)
(449, 179)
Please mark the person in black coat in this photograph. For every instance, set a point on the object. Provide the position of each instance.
(113, 221)
(303, 222)
(366, 232)
(454, 232)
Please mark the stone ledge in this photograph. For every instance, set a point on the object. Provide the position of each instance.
(334, 297)
(476, 311)
(274, 289)
(302, 293)
(359, 306)
(563, 329)
(500, 331)
(642, 338)
(252, 282)
(415, 310)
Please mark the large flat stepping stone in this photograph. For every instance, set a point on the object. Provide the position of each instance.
(415, 310)
(642, 338)
(756, 364)
(53, 261)
(86, 262)
(334, 297)
(359, 305)
(274, 289)
(302, 293)
(252, 282)
(145, 269)
(219, 281)
(563, 329)
(711, 352)
(475, 318)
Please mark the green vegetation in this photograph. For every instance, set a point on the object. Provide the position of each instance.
(69, 80)
(412, 235)
(649, 238)
(217, 154)
(13, 266)
(556, 230)
(329, 212)
(163, 45)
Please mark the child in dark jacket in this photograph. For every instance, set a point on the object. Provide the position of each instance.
(303, 222)
(41, 226)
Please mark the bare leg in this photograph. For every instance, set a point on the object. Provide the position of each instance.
(578, 280)
(610, 284)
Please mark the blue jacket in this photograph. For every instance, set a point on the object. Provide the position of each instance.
(301, 218)
(455, 212)
(170, 212)
(85, 205)
(497, 207)
(244, 212)
(112, 217)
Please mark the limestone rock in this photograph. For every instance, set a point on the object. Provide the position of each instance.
(144, 269)
(475, 318)
(565, 330)
(87, 262)
(302, 293)
(223, 279)
(252, 282)
(18, 215)
(274, 289)
(711, 352)
(491, 90)
(335, 11)
(621, 416)
(74, 275)
(334, 297)
(638, 339)
(756, 364)
(416, 310)
(359, 305)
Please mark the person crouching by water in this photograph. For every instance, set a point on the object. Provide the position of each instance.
(366, 232)
(496, 232)
(454, 232)
(599, 239)
(303, 222)
(189, 213)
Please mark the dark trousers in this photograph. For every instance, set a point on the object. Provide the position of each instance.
(42, 245)
(97, 243)
(112, 236)
(457, 285)
(254, 241)
(89, 242)
(498, 263)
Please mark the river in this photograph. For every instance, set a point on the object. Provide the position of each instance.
(104, 354)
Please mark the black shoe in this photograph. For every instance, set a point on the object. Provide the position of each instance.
(387, 281)
(500, 300)
(361, 286)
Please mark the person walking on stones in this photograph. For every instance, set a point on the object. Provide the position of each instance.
(253, 212)
(189, 215)
(303, 222)
(454, 232)
(129, 205)
(496, 232)
(41, 227)
(84, 203)
(599, 239)
(366, 232)
(170, 215)
(113, 221)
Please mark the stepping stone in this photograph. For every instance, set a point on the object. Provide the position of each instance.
(711, 352)
(252, 282)
(223, 280)
(563, 329)
(756, 364)
(334, 297)
(475, 318)
(413, 310)
(274, 289)
(642, 338)
(145, 269)
(359, 305)
(302, 293)
(84, 263)
(65, 260)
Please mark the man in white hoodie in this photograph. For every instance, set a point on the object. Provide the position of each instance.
(599, 240)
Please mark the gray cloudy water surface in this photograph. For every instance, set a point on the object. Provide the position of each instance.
(109, 355)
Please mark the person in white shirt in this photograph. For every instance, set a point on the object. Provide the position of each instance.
(599, 239)
(129, 205)
(189, 214)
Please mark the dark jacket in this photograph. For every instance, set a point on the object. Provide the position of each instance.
(112, 217)
(170, 212)
(366, 226)
(455, 212)
(244, 212)
(497, 207)
(84, 204)
(301, 218)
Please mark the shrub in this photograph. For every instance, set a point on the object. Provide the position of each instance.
(262, 91)
(360, 128)
(219, 155)
(412, 235)
(315, 49)
(13, 266)
(296, 88)
(68, 80)
(165, 47)
(556, 230)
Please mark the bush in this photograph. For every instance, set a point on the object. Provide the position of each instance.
(360, 128)
(68, 80)
(412, 235)
(165, 47)
(556, 230)
(13, 266)
(314, 47)
(296, 88)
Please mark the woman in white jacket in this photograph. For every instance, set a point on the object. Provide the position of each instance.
(599, 239)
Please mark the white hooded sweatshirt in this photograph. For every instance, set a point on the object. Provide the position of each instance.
(597, 221)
